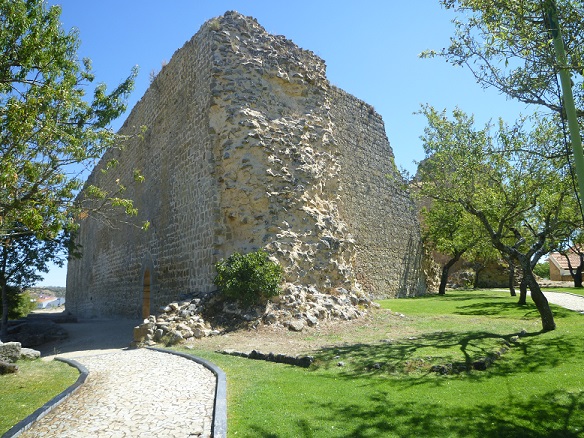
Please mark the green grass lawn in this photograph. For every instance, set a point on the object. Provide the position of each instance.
(31, 387)
(386, 388)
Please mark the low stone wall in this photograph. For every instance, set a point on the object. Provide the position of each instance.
(298, 361)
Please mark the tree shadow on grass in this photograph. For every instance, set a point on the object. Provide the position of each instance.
(556, 414)
(504, 309)
(414, 357)
(552, 414)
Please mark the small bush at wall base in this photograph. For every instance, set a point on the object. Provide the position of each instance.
(248, 278)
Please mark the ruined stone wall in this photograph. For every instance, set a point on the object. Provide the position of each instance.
(249, 146)
(178, 197)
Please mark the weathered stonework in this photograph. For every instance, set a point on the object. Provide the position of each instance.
(249, 146)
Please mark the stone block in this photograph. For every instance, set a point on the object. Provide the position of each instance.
(29, 353)
(141, 332)
(10, 351)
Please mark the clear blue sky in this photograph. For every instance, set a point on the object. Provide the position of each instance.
(370, 47)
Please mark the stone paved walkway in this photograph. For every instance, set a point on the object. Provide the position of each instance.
(129, 392)
(569, 301)
(134, 393)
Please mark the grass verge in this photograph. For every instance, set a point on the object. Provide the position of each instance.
(31, 387)
(385, 388)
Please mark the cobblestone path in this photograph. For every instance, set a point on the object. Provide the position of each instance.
(134, 393)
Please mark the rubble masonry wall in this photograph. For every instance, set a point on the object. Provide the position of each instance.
(249, 146)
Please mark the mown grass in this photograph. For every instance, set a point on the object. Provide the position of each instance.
(385, 388)
(31, 387)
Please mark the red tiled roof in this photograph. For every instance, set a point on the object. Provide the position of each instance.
(563, 263)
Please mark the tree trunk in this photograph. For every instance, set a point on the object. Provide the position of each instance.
(4, 287)
(523, 292)
(444, 276)
(443, 280)
(4, 324)
(578, 277)
(512, 279)
(478, 271)
(541, 302)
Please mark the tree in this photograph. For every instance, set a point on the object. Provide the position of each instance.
(22, 259)
(506, 45)
(50, 130)
(520, 198)
(481, 256)
(20, 303)
(520, 48)
(450, 230)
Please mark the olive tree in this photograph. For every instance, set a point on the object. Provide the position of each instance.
(507, 46)
(520, 198)
(451, 231)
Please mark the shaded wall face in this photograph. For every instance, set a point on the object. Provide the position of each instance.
(178, 197)
(378, 211)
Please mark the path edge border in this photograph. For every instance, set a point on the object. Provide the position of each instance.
(27, 422)
(219, 424)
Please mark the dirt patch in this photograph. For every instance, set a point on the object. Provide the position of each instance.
(378, 325)
(89, 336)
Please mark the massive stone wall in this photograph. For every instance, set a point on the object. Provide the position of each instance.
(249, 146)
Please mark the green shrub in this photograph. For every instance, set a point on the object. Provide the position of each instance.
(19, 303)
(250, 278)
(542, 270)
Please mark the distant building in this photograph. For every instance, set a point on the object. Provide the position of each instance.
(49, 302)
(559, 268)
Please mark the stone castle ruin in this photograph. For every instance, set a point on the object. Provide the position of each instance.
(249, 146)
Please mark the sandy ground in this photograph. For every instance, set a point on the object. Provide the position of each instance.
(91, 336)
